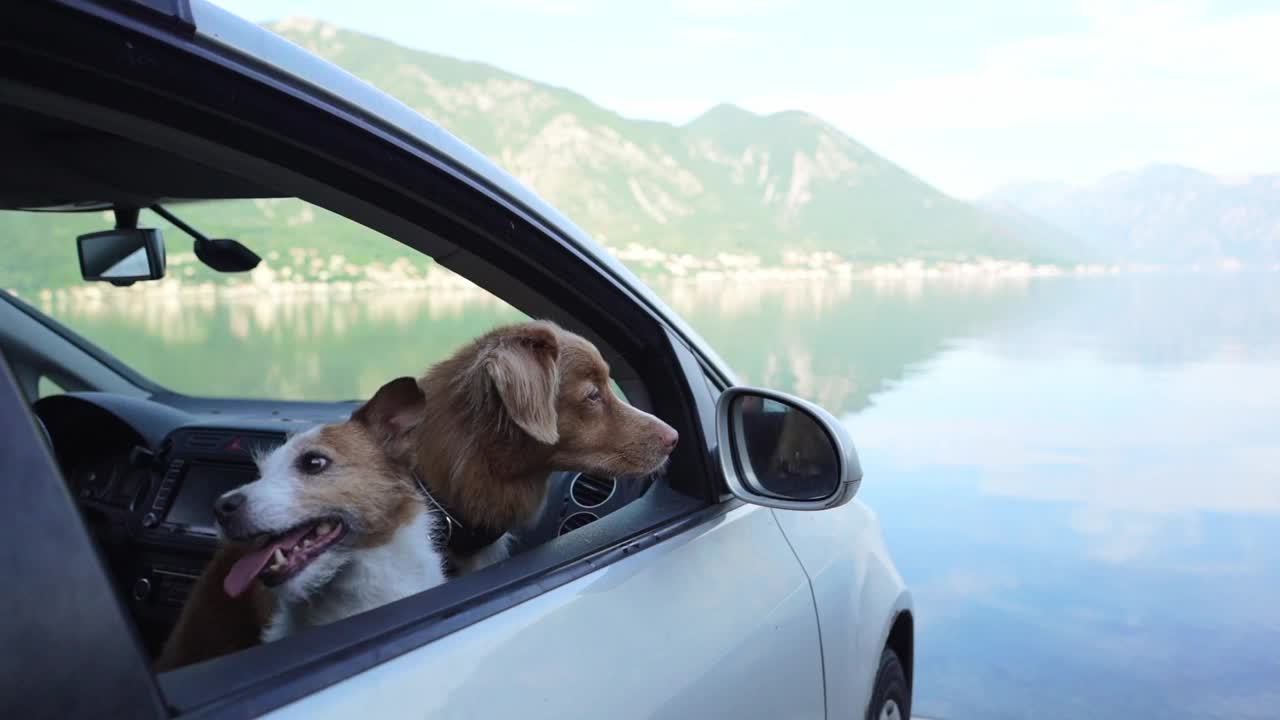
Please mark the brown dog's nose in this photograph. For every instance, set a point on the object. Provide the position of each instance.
(669, 439)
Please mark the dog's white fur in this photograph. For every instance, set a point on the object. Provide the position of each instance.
(271, 500)
(406, 566)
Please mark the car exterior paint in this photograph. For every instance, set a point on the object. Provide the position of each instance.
(717, 622)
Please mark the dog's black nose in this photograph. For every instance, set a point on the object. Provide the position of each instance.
(226, 505)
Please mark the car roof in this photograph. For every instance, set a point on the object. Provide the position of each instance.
(224, 28)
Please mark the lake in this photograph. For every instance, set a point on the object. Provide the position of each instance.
(1078, 476)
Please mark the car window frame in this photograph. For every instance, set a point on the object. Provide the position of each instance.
(377, 641)
(70, 649)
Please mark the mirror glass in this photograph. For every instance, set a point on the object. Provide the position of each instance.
(783, 450)
(122, 255)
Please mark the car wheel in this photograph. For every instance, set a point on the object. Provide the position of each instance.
(890, 698)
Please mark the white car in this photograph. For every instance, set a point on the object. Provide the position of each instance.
(723, 588)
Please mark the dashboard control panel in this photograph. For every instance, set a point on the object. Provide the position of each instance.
(198, 465)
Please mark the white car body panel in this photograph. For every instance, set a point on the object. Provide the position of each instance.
(716, 622)
(857, 591)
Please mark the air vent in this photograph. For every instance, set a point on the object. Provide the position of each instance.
(577, 520)
(591, 492)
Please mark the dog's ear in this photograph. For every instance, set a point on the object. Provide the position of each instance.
(396, 408)
(523, 368)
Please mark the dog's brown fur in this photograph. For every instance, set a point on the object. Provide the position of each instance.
(238, 624)
(518, 404)
(382, 497)
(502, 414)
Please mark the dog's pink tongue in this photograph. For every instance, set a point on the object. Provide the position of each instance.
(250, 566)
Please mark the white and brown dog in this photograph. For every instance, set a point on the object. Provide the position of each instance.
(484, 431)
(334, 526)
(337, 526)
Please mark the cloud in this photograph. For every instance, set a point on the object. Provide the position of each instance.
(730, 8)
(559, 8)
(705, 36)
(1196, 437)
(1067, 461)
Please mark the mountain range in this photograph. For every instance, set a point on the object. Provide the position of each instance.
(1161, 214)
(728, 181)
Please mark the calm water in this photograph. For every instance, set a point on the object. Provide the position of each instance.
(1079, 477)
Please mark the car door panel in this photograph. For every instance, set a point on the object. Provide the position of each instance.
(718, 621)
(856, 593)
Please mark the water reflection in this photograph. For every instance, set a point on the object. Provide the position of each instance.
(313, 347)
(1077, 475)
(1085, 499)
(842, 341)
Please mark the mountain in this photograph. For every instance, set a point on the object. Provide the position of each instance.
(729, 181)
(1162, 214)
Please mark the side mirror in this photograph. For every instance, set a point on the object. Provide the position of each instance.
(780, 451)
(122, 256)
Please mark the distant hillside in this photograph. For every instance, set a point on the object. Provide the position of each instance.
(1162, 214)
(728, 181)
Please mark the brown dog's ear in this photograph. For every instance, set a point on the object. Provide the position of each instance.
(396, 408)
(523, 367)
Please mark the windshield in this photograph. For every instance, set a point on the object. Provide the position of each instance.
(333, 310)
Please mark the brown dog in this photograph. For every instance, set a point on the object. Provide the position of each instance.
(502, 414)
(514, 406)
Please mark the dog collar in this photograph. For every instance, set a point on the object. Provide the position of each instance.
(458, 537)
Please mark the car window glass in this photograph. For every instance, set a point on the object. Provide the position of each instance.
(47, 387)
(333, 310)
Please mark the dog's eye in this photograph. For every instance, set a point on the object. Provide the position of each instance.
(594, 395)
(312, 463)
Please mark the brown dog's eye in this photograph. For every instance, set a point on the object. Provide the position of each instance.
(594, 395)
(312, 463)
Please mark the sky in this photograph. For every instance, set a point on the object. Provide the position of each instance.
(968, 96)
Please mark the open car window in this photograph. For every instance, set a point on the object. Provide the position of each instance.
(334, 311)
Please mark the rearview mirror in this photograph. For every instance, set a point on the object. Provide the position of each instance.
(781, 451)
(122, 256)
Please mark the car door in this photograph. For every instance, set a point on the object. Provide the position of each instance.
(68, 650)
(715, 622)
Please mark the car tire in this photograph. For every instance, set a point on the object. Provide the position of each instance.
(890, 696)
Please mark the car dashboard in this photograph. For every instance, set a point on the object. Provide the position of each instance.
(145, 474)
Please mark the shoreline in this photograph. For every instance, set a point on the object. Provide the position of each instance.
(268, 282)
